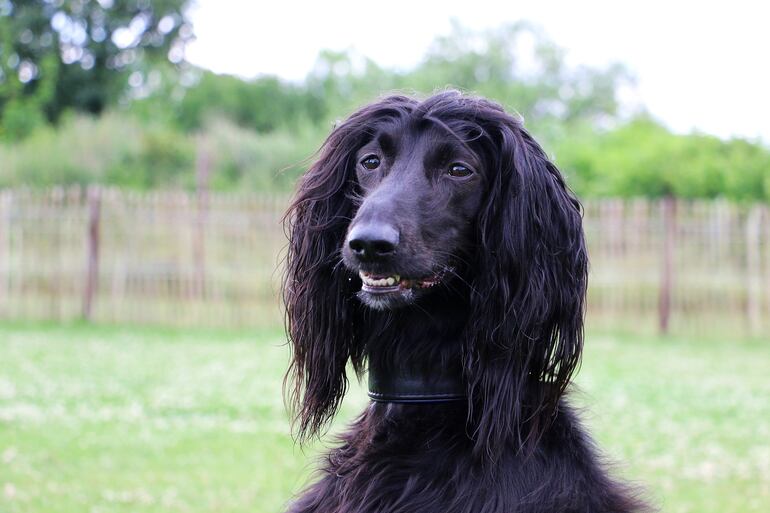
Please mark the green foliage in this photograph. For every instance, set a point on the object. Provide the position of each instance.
(750, 179)
(20, 118)
(164, 158)
(120, 149)
(642, 158)
(519, 67)
(78, 54)
(79, 151)
(515, 65)
(256, 162)
(264, 105)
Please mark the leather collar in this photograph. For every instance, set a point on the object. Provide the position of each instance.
(402, 385)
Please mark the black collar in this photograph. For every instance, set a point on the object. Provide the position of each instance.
(402, 385)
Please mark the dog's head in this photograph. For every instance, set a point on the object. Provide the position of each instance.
(411, 199)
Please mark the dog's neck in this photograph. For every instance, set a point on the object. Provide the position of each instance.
(414, 354)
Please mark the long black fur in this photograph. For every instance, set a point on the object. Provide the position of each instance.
(509, 319)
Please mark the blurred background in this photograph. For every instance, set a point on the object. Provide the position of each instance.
(148, 150)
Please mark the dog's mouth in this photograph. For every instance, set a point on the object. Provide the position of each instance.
(384, 284)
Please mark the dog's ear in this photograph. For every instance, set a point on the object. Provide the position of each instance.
(318, 294)
(322, 313)
(525, 333)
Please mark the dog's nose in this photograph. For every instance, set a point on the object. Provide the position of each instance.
(373, 240)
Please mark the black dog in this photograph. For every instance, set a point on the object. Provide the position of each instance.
(434, 245)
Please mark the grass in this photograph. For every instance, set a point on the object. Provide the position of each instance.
(111, 419)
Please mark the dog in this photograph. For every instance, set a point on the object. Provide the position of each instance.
(435, 246)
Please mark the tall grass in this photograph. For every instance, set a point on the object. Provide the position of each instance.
(121, 149)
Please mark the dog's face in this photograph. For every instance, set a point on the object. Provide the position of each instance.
(420, 188)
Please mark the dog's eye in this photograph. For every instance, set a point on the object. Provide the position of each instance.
(371, 162)
(459, 170)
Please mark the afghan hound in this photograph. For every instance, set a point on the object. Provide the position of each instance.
(434, 246)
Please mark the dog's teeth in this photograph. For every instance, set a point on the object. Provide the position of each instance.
(370, 281)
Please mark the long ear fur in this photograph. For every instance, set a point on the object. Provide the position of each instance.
(525, 332)
(318, 292)
(320, 318)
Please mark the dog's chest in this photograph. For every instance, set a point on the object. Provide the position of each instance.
(426, 484)
(398, 460)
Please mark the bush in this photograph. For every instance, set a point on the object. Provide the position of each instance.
(20, 118)
(642, 158)
(257, 162)
(78, 151)
(164, 158)
(118, 149)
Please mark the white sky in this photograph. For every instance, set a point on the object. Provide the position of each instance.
(698, 65)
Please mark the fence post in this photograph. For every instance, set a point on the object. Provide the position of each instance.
(5, 247)
(753, 269)
(667, 268)
(94, 202)
(203, 175)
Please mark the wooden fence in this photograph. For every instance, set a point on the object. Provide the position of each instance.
(180, 258)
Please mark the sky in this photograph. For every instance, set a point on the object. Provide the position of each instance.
(701, 66)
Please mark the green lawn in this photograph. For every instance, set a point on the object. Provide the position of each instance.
(96, 419)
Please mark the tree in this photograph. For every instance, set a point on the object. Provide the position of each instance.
(519, 66)
(514, 64)
(643, 158)
(264, 104)
(80, 54)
